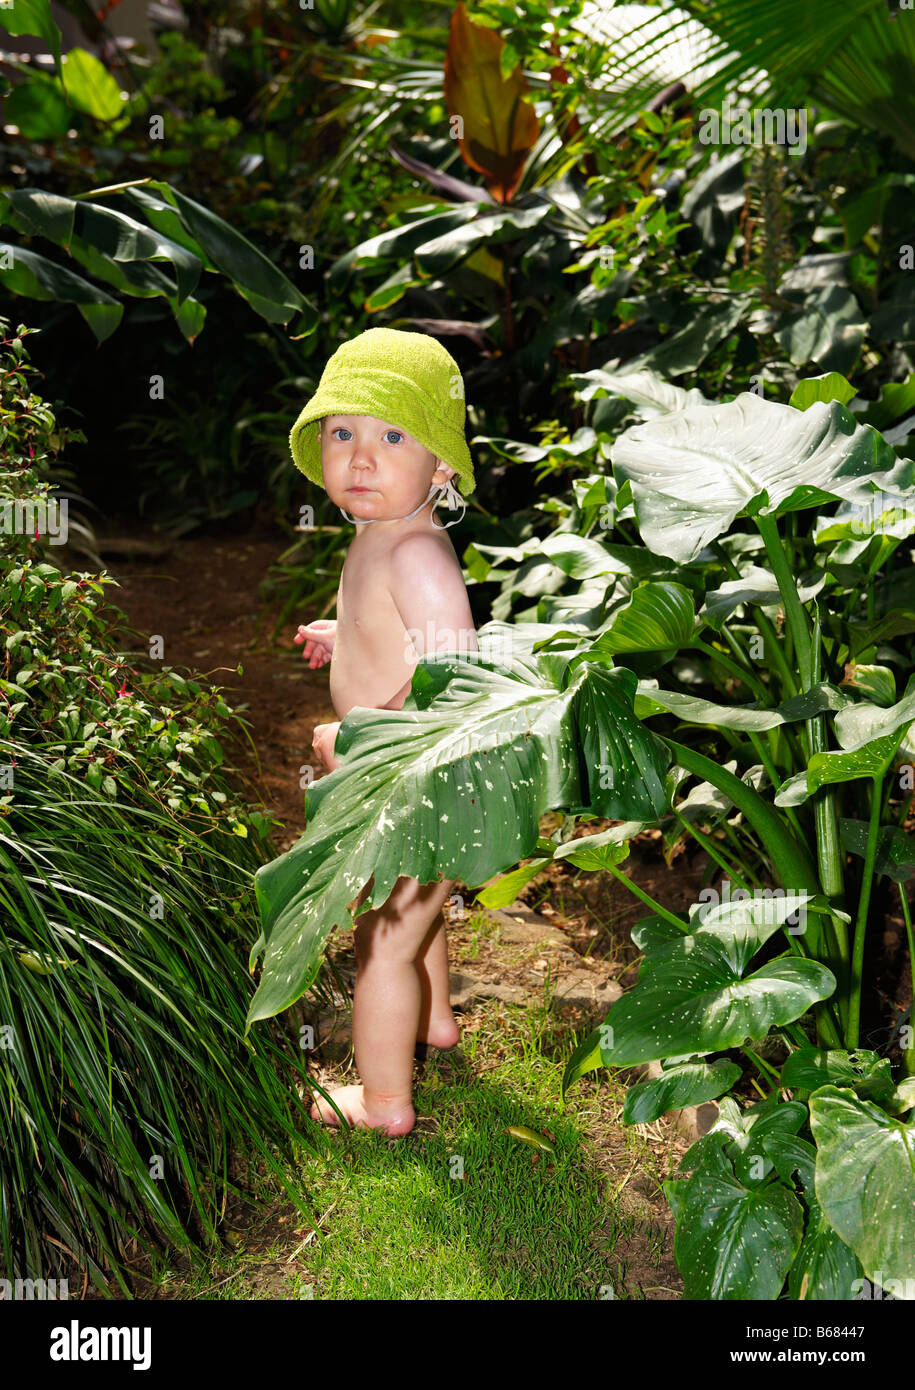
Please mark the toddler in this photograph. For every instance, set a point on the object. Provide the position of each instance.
(384, 435)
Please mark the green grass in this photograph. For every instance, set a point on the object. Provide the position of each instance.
(398, 1221)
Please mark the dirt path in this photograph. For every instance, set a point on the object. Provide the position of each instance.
(201, 595)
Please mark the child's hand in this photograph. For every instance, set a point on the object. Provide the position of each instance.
(323, 740)
(319, 638)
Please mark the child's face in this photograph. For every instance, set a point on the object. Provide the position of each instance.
(374, 470)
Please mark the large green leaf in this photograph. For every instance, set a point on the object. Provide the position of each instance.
(870, 736)
(865, 1182)
(896, 399)
(106, 241)
(597, 852)
(686, 349)
(824, 1267)
(651, 699)
(764, 1138)
(393, 288)
(439, 254)
(694, 996)
(828, 330)
(895, 849)
(90, 86)
(649, 393)
(583, 557)
(123, 251)
(694, 471)
(114, 248)
(829, 386)
(658, 616)
(755, 586)
(160, 214)
(269, 292)
(734, 1241)
(862, 1071)
(399, 243)
(688, 1083)
(24, 272)
(452, 786)
(33, 17)
(39, 108)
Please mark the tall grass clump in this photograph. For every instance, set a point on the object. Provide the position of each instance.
(131, 1101)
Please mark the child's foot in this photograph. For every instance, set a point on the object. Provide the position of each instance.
(442, 1033)
(395, 1117)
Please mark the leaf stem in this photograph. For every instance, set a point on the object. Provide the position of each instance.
(712, 850)
(763, 1066)
(111, 188)
(789, 856)
(813, 740)
(747, 678)
(908, 1056)
(867, 878)
(649, 901)
(774, 778)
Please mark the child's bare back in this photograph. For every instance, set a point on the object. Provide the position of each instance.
(399, 598)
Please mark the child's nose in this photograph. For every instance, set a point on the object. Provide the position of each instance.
(361, 456)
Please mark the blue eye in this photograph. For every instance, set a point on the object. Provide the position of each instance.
(343, 429)
(397, 432)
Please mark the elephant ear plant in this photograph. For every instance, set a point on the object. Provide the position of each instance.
(810, 1191)
(743, 1229)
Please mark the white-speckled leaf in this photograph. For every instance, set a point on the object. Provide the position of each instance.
(865, 1183)
(734, 1241)
(694, 996)
(692, 472)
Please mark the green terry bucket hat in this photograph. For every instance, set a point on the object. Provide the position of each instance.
(406, 379)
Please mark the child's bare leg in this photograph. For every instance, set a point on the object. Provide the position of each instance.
(437, 1024)
(386, 1008)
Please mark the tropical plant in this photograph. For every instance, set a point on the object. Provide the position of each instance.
(853, 61)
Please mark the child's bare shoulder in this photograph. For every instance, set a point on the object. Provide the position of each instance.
(423, 556)
(425, 581)
(419, 547)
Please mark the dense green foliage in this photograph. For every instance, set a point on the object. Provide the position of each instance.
(691, 394)
(126, 856)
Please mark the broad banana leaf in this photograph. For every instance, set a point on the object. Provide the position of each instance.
(499, 127)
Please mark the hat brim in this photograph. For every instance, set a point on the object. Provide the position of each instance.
(362, 397)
